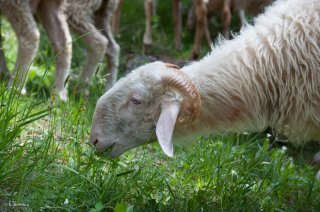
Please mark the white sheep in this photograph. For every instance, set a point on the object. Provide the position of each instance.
(19, 14)
(269, 75)
(90, 19)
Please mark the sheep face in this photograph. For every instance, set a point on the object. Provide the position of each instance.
(126, 115)
(138, 107)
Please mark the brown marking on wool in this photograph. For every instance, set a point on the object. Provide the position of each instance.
(237, 110)
(234, 115)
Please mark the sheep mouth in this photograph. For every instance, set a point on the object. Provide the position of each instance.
(107, 150)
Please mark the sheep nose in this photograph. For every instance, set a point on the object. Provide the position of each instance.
(95, 141)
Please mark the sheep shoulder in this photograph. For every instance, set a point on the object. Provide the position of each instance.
(266, 76)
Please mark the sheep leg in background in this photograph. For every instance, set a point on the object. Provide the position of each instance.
(34, 4)
(243, 18)
(191, 19)
(54, 21)
(206, 32)
(103, 19)
(97, 44)
(20, 17)
(149, 8)
(4, 72)
(226, 17)
(116, 18)
(201, 16)
(177, 19)
(191, 24)
(316, 164)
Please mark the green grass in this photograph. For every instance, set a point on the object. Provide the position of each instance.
(46, 162)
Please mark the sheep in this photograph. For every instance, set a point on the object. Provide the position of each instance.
(199, 12)
(19, 14)
(93, 20)
(87, 18)
(150, 7)
(53, 19)
(267, 76)
(224, 8)
(150, 11)
(201, 23)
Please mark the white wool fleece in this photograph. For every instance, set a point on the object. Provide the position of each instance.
(269, 75)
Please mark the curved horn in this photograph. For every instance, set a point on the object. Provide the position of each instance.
(180, 82)
(170, 65)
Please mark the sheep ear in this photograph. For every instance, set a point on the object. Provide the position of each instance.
(165, 126)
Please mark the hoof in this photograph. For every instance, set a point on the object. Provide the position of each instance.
(23, 92)
(81, 91)
(62, 95)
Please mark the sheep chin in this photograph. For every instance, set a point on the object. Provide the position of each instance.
(118, 149)
(116, 152)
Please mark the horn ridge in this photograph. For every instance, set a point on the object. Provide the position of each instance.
(170, 65)
(180, 82)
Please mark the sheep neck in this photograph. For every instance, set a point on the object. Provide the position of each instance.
(243, 89)
(228, 102)
(267, 76)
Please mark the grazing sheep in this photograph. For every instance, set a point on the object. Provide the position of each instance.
(19, 14)
(90, 19)
(54, 21)
(267, 76)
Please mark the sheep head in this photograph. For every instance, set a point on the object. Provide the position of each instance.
(146, 104)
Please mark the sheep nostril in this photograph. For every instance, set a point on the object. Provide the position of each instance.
(95, 141)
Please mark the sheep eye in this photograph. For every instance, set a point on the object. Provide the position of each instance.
(135, 101)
